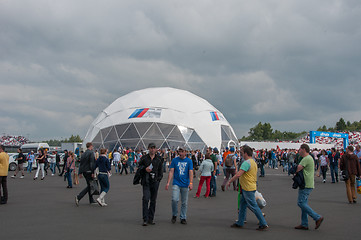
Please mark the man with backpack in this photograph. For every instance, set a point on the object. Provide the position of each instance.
(230, 165)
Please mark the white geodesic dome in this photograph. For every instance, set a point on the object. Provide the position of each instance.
(168, 117)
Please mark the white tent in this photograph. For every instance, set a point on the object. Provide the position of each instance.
(168, 117)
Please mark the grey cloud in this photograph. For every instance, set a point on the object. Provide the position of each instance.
(294, 64)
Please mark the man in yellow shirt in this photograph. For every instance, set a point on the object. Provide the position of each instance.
(4, 167)
(248, 179)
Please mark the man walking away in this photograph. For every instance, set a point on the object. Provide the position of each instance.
(349, 162)
(307, 165)
(116, 160)
(86, 168)
(230, 165)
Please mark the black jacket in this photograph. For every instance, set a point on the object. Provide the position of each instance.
(87, 162)
(298, 179)
(157, 172)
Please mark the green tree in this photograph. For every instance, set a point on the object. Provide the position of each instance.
(341, 125)
(73, 138)
(267, 131)
(256, 133)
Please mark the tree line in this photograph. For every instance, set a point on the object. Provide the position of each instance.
(55, 142)
(342, 126)
(264, 131)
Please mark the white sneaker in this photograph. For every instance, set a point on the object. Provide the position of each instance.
(13, 176)
(99, 201)
(22, 177)
(52, 174)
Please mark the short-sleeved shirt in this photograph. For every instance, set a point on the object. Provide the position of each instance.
(116, 156)
(248, 180)
(131, 157)
(181, 171)
(22, 160)
(308, 171)
(214, 160)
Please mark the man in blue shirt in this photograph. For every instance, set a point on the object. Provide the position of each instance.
(181, 170)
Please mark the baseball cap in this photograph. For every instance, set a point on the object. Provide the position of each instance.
(180, 148)
(151, 145)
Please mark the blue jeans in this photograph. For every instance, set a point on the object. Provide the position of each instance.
(262, 170)
(116, 166)
(68, 176)
(104, 182)
(165, 166)
(131, 166)
(248, 199)
(303, 204)
(334, 172)
(213, 185)
(175, 199)
(30, 166)
(52, 167)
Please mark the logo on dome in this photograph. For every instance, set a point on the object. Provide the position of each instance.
(146, 113)
(216, 116)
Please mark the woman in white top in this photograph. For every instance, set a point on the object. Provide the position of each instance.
(323, 160)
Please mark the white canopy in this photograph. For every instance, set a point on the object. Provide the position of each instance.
(168, 106)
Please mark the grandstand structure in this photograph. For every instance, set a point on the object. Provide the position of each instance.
(354, 139)
(320, 142)
(13, 141)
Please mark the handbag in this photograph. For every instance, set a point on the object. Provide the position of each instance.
(94, 187)
(358, 184)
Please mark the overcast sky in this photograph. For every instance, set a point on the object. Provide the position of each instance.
(294, 64)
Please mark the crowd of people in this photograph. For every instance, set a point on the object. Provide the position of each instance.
(240, 166)
(13, 141)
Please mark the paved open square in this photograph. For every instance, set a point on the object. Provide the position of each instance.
(46, 210)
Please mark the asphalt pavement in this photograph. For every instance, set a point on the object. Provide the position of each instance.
(46, 210)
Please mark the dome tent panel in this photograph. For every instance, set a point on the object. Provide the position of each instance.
(176, 135)
(121, 129)
(143, 127)
(153, 133)
(131, 133)
(112, 135)
(165, 128)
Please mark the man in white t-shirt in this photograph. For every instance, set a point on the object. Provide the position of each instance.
(116, 159)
